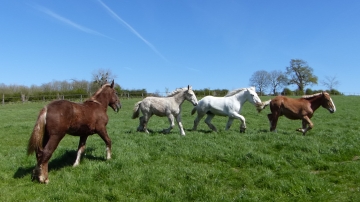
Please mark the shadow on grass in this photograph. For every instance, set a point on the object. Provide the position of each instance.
(67, 159)
(264, 131)
(151, 132)
(200, 131)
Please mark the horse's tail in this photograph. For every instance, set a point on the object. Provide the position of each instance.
(36, 139)
(136, 110)
(193, 110)
(262, 105)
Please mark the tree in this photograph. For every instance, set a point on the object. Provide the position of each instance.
(286, 91)
(260, 79)
(277, 80)
(102, 76)
(300, 74)
(330, 82)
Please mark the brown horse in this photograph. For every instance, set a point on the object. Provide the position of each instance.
(302, 108)
(64, 117)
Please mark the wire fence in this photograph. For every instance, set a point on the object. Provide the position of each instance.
(82, 97)
(71, 97)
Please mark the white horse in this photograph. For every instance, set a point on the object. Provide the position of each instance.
(169, 106)
(230, 105)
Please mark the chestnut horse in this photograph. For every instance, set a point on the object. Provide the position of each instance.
(302, 108)
(62, 117)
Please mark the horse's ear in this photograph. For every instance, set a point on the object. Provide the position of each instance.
(189, 87)
(112, 84)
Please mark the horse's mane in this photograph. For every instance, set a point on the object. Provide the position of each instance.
(311, 96)
(93, 97)
(233, 92)
(178, 90)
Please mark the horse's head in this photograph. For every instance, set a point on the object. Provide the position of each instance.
(114, 101)
(190, 96)
(327, 102)
(253, 97)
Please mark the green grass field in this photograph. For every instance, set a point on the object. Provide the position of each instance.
(202, 166)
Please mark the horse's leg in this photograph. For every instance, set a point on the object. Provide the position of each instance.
(39, 155)
(197, 120)
(178, 119)
(47, 152)
(208, 122)
(81, 149)
(141, 124)
(172, 124)
(242, 120)
(105, 137)
(145, 121)
(270, 120)
(273, 119)
(306, 122)
(228, 124)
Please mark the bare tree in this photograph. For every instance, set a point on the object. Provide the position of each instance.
(330, 82)
(102, 76)
(261, 80)
(277, 80)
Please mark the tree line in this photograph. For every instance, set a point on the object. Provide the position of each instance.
(298, 73)
(78, 89)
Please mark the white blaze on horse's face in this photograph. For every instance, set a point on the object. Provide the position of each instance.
(191, 97)
(329, 104)
(333, 106)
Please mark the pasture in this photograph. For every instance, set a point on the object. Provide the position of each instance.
(202, 166)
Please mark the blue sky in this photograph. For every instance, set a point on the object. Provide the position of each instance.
(166, 44)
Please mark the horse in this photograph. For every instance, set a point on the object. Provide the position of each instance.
(62, 117)
(230, 105)
(169, 106)
(302, 108)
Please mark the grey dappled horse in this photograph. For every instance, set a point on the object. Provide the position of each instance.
(169, 106)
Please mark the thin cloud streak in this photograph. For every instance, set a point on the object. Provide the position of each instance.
(114, 15)
(193, 69)
(69, 22)
(128, 68)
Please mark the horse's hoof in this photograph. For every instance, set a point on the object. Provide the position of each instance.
(33, 177)
(214, 130)
(41, 179)
(45, 181)
(242, 130)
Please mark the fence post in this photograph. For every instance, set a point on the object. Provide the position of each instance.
(3, 101)
(80, 98)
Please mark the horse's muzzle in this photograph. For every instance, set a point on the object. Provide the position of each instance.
(117, 107)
